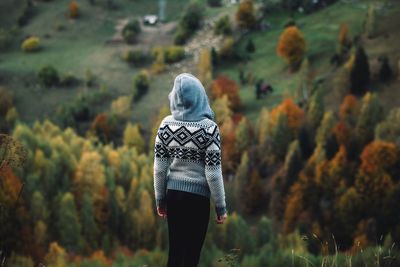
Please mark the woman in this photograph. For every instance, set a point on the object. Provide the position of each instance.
(187, 170)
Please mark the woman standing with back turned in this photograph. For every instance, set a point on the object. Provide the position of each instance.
(187, 170)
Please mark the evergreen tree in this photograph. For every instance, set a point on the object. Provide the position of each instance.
(38, 207)
(250, 47)
(240, 181)
(281, 136)
(389, 129)
(370, 116)
(145, 220)
(214, 57)
(254, 193)
(360, 73)
(385, 72)
(325, 129)
(242, 135)
(262, 126)
(264, 231)
(69, 227)
(89, 227)
(293, 165)
(316, 108)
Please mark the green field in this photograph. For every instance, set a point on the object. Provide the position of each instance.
(81, 46)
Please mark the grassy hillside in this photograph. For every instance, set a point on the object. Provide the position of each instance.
(81, 46)
(320, 30)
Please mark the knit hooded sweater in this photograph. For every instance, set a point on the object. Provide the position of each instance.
(187, 151)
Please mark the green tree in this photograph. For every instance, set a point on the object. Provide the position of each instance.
(69, 227)
(240, 181)
(316, 108)
(243, 136)
(89, 227)
(38, 207)
(264, 231)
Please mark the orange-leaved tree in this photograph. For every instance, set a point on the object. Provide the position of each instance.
(292, 46)
(294, 113)
(73, 9)
(225, 86)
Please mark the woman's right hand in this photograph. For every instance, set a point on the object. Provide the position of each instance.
(221, 219)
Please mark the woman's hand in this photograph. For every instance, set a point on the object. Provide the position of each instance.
(162, 212)
(221, 219)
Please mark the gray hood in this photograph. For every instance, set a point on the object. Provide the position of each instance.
(188, 99)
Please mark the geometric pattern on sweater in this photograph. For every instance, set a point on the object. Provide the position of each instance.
(200, 138)
(213, 158)
(183, 136)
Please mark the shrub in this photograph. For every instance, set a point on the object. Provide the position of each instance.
(31, 44)
(69, 80)
(141, 84)
(90, 78)
(226, 50)
(180, 37)
(48, 76)
(158, 65)
(223, 26)
(73, 9)
(292, 46)
(131, 31)
(136, 57)
(174, 54)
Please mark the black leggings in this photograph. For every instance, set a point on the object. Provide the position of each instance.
(187, 216)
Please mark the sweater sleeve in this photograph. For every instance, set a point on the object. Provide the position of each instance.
(162, 161)
(213, 170)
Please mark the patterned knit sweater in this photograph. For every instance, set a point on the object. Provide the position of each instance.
(187, 157)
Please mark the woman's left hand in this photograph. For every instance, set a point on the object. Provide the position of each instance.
(162, 212)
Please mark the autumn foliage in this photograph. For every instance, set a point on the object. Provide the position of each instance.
(245, 15)
(291, 46)
(102, 127)
(343, 34)
(378, 155)
(73, 9)
(348, 108)
(294, 113)
(225, 86)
